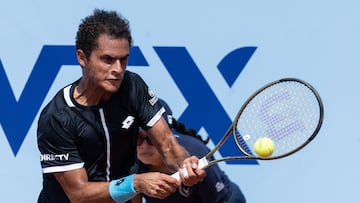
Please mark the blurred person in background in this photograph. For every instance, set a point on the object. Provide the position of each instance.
(215, 188)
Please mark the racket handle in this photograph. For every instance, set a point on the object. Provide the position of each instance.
(203, 163)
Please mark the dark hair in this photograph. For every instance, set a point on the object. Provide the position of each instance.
(101, 22)
(181, 128)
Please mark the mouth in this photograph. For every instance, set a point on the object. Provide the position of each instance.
(146, 153)
(114, 79)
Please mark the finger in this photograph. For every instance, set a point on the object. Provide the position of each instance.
(170, 187)
(194, 163)
(191, 177)
(193, 160)
(190, 169)
(184, 172)
(201, 174)
(161, 194)
(167, 189)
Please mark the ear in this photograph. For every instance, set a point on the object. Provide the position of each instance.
(81, 57)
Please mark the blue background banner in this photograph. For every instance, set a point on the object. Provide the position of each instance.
(205, 58)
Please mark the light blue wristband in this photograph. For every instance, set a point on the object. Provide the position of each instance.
(122, 189)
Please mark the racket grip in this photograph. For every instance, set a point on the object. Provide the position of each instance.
(203, 163)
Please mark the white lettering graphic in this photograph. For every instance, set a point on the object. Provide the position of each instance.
(219, 186)
(54, 157)
(153, 100)
(128, 122)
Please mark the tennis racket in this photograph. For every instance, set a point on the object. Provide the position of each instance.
(288, 111)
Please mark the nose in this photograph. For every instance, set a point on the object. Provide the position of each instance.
(118, 66)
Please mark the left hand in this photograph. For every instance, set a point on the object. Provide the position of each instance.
(190, 174)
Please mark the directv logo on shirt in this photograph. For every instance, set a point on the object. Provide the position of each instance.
(54, 157)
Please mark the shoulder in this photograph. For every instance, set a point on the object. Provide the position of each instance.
(57, 112)
(135, 96)
(132, 77)
(55, 105)
(132, 85)
(62, 99)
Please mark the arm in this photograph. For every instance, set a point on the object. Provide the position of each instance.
(137, 199)
(78, 189)
(76, 186)
(174, 155)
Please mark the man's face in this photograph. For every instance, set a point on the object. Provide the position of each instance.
(107, 63)
(146, 151)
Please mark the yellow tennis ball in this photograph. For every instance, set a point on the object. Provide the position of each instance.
(264, 147)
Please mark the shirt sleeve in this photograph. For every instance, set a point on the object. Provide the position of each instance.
(146, 102)
(57, 144)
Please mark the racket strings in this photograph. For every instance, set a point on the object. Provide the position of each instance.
(287, 112)
(243, 145)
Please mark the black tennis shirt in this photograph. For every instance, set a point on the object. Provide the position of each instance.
(101, 138)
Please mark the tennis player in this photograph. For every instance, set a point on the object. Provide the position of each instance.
(87, 132)
(215, 188)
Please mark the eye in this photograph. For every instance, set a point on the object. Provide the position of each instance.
(108, 59)
(124, 60)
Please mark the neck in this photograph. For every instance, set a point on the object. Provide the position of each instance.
(88, 95)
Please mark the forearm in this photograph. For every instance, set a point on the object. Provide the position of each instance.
(78, 189)
(164, 140)
(92, 192)
(119, 190)
(173, 154)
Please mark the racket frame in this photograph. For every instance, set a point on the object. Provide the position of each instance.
(206, 160)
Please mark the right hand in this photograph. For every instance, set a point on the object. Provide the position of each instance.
(155, 184)
(190, 173)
